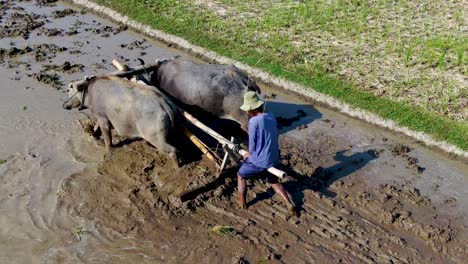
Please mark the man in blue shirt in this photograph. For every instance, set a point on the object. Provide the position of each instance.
(263, 150)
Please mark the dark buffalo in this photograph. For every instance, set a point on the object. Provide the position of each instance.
(217, 89)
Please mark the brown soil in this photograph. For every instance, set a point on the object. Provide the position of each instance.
(135, 189)
(143, 177)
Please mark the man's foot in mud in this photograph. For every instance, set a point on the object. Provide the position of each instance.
(243, 206)
(97, 134)
(292, 210)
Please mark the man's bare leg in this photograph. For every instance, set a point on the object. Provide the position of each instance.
(242, 189)
(279, 189)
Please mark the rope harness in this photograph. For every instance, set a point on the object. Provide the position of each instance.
(68, 100)
(82, 106)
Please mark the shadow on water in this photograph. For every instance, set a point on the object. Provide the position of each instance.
(290, 116)
(322, 178)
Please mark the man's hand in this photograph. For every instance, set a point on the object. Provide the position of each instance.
(244, 154)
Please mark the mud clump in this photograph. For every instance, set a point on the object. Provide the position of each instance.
(63, 13)
(301, 127)
(239, 259)
(98, 66)
(74, 29)
(122, 28)
(66, 67)
(51, 32)
(400, 149)
(88, 126)
(45, 52)
(375, 153)
(105, 31)
(20, 25)
(39, 52)
(135, 45)
(4, 6)
(12, 52)
(46, 2)
(15, 64)
(71, 32)
(50, 79)
(74, 52)
(412, 162)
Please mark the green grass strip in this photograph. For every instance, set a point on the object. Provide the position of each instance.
(190, 27)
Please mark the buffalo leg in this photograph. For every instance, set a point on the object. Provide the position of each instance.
(161, 144)
(104, 124)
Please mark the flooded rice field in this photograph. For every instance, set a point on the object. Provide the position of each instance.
(365, 194)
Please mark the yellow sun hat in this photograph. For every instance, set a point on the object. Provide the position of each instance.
(251, 101)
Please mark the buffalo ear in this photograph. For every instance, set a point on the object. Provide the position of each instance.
(79, 85)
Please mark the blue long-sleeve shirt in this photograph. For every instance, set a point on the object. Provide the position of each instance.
(263, 141)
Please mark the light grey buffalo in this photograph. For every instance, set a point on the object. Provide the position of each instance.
(215, 88)
(133, 110)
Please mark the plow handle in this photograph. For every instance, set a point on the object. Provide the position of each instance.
(278, 173)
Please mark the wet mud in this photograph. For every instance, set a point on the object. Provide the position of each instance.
(354, 185)
(140, 176)
(341, 220)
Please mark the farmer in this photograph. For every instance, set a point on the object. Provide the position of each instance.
(263, 150)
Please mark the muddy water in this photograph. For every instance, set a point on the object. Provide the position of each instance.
(366, 195)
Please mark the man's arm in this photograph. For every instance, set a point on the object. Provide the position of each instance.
(252, 137)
